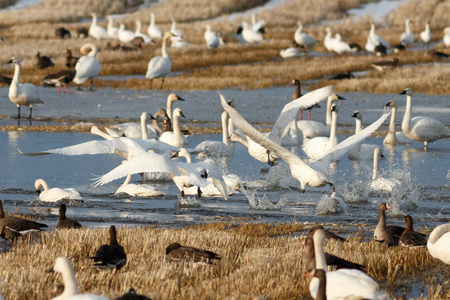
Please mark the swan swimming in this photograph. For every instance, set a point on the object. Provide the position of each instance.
(24, 94)
(88, 66)
(361, 151)
(382, 184)
(421, 128)
(55, 194)
(393, 137)
(175, 137)
(160, 66)
(137, 190)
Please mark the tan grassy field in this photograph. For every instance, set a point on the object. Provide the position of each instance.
(258, 260)
(233, 65)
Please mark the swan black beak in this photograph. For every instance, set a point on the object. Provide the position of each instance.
(9, 61)
(297, 189)
(388, 104)
(152, 117)
(180, 99)
(332, 187)
(175, 155)
(182, 115)
(355, 114)
(341, 98)
(38, 191)
(403, 93)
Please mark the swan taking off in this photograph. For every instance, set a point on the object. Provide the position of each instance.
(88, 66)
(22, 94)
(420, 128)
(160, 66)
(55, 194)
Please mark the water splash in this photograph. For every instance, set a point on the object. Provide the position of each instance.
(354, 192)
(187, 202)
(329, 205)
(263, 203)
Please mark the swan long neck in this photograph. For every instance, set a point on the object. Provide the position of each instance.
(176, 127)
(144, 126)
(225, 128)
(319, 254)
(239, 139)
(333, 137)
(407, 116)
(328, 119)
(438, 232)
(152, 19)
(70, 282)
(95, 130)
(165, 53)
(110, 23)
(43, 184)
(126, 182)
(16, 77)
(138, 27)
(169, 108)
(408, 27)
(391, 130)
(375, 166)
(94, 19)
(358, 125)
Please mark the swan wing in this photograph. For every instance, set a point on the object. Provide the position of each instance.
(86, 67)
(340, 149)
(258, 137)
(143, 162)
(216, 175)
(290, 110)
(193, 172)
(158, 66)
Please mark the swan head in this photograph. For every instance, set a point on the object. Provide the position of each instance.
(408, 21)
(177, 112)
(168, 35)
(335, 97)
(109, 18)
(378, 152)
(319, 238)
(334, 108)
(93, 15)
(38, 185)
(14, 60)
(61, 265)
(85, 47)
(174, 97)
(407, 92)
(356, 114)
(299, 24)
(183, 152)
(230, 103)
(447, 30)
(392, 104)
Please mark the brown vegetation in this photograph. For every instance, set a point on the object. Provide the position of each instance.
(257, 260)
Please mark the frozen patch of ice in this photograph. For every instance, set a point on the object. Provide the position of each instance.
(263, 203)
(378, 10)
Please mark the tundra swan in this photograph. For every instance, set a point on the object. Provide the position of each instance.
(426, 36)
(339, 46)
(439, 243)
(306, 174)
(342, 283)
(112, 255)
(63, 222)
(125, 35)
(302, 38)
(160, 66)
(88, 66)
(393, 137)
(177, 34)
(382, 184)
(249, 35)
(446, 37)
(170, 99)
(62, 265)
(138, 131)
(211, 38)
(217, 148)
(361, 151)
(97, 32)
(407, 37)
(420, 128)
(139, 190)
(153, 30)
(24, 94)
(258, 26)
(292, 51)
(328, 40)
(137, 33)
(113, 31)
(389, 235)
(374, 39)
(55, 194)
(317, 146)
(175, 137)
(176, 252)
(411, 238)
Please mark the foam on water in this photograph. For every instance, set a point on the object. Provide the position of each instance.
(263, 202)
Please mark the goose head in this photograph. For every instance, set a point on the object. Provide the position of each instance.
(407, 92)
(383, 207)
(295, 82)
(14, 60)
(409, 223)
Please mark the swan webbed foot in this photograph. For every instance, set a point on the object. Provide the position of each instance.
(297, 189)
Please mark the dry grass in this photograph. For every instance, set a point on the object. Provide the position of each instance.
(257, 260)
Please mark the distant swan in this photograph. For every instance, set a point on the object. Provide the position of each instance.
(420, 128)
(302, 38)
(439, 243)
(393, 137)
(381, 184)
(361, 151)
(113, 32)
(125, 35)
(97, 32)
(88, 66)
(137, 33)
(22, 94)
(211, 38)
(160, 66)
(139, 190)
(374, 39)
(55, 194)
(426, 36)
(217, 148)
(407, 37)
(153, 30)
(249, 35)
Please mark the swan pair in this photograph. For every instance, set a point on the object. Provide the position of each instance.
(88, 66)
(55, 194)
(374, 40)
(211, 38)
(160, 66)
(24, 94)
(335, 44)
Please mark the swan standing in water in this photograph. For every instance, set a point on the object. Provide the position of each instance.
(63, 266)
(381, 184)
(153, 30)
(439, 243)
(361, 151)
(407, 37)
(97, 32)
(420, 128)
(88, 66)
(307, 174)
(342, 283)
(55, 194)
(113, 31)
(393, 137)
(24, 94)
(217, 148)
(139, 190)
(175, 137)
(160, 66)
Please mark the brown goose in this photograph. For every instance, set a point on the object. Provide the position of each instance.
(12, 227)
(411, 238)
(110, 256)
(64, 223)
(131, 295)
(63, 77)
(386, 64)
(328, 234)
(386, 234)
(176, 252)
(297, 94)
(43, 62)
(71, 61)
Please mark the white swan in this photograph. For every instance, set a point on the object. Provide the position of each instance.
(137, 33)
(307, 175)
(55, 194)
(426, 36)
(88, 66)
(97, 32)
(177, 34)
(292, 51)
(317, 146)
(24, 94)
(138, 131)
(113, 31)
(170, 99)
(160, 66)
(446, 38)
(125, 35)
(137, 190)
(374, 40)
(217, 148)
(249, 35)
(393, 137)
(361, 151)
(420, 128)
(328, 40)
(175, 137)
(153, 30)
(439, 243)
(342, 283)
(381, 184)
(407, 37)
(62, 265)
(339, 46)
(302, 38)
(211, 38)
(258, 26)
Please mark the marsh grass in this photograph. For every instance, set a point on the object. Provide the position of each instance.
(257, 260)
